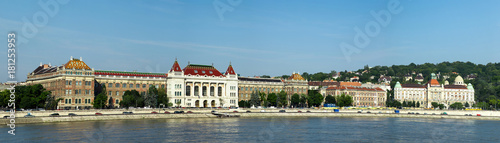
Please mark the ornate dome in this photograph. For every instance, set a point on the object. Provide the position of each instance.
(459, 80)
(296, 76)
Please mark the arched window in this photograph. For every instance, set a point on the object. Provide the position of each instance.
(188, 90)
(196, 91)
(204, 91)
(219, 91)
(212, 91)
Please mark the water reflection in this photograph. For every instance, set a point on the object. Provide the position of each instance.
(280, 129)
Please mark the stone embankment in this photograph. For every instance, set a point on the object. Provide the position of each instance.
(117, 114)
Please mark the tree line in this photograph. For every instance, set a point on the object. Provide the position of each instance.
(312, 99)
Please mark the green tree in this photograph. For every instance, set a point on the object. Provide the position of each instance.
(283, 101)
(344, 100)
(435, 104)
(100, 99)
(330, 99)
(254, 99)
(457, 105)
(303, 100)
(263, 99)
(151, 98)
(162, 97)
(467, 104)
(271, 98)
(404, 104)
(295, 100)
(52, 102)
(314, 99)
(441, 106)
(418, 104)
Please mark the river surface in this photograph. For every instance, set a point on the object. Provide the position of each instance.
(278, 129)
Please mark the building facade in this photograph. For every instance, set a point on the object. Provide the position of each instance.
(194, 86)
(247, 85)
(202, 86)
(362, 96)
(433, 91)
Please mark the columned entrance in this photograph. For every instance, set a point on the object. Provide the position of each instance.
(213, 103)
(205, 104)
(197, 103)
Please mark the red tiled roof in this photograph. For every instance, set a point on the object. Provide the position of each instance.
(350, 84)
(176, 67)
(412, 86)
(354, 88)
(434, 82)
(120, 73)
(230, 70)
(455, 87)
(201, 70)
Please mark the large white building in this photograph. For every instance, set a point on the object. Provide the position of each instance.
(202, 86)
(435, 92)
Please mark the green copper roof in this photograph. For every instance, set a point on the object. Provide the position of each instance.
(398, 85)
(470, 87)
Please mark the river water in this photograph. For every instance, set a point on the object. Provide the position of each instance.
(278, 129)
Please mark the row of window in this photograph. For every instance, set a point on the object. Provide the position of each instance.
(117, 85)
(204, 91)
(78, 73)
(77, 91)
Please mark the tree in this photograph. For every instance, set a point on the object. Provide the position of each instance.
(314, 99)
(404, 104)
(295, 100)
(263, 99)
(100, 99)
(162, 97)
(52, 102)
(330, 99)
(441, 106)
(457, 106)
(418, 104)
(254, 99)
(283, 101)
(303, 99)
(150, 99)
(271, 98)
(435, 104)
(344, 100)
(467, 104)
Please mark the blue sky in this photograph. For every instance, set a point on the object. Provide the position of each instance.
(258, 37)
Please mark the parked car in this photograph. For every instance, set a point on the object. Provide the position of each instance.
(29, 116)
(248, 111)
(166, 112)
(213, 111)
(189, 112)
(308, 111)
(299, 111)
(154, 112)
(282, 111)
(6, 117)
(478, 115)
(128, 112)
(178, 112)
(262, 110)
(444, 113)
(368, 112)
(433, 113)
(54, 115)
(360, 111)
(417, 113)
(72, 114)
(98, 114)
(235, 111)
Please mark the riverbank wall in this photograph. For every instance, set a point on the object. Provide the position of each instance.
(117, 114)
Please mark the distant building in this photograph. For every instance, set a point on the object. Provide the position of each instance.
(247, 85)
(354, 79)
(433, 91)
(419, 78)
(362, 96)
(295, 84)
(384, 79)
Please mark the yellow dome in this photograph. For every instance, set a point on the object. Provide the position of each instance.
(296, 76)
